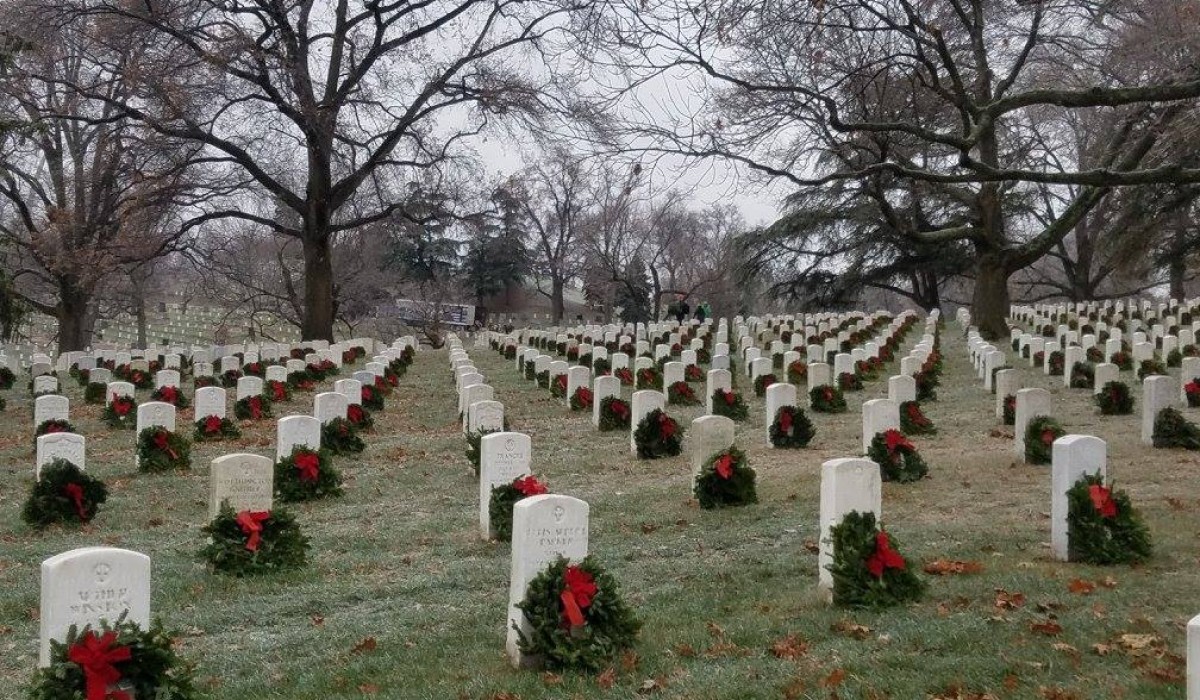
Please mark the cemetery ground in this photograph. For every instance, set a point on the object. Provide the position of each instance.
(401, 599)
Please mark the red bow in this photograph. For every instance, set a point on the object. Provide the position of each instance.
(168, 394)
(379, 382)
(75, 493)
(1102, 500)
(1047, 437)
(561, 381)
(161, 441)
(212, 425)
(827, 394)
(255, 405)
(1192, 387)
(724, 466)
(277, 391)
(585, 395)
(251, 524)
(122, 406)
(55, 427)
(785, 421)
(884, 557)
(529, 486)
(96, 655)
(620, 408)
(729, 397)
(666, 426)
(367, 393)
(895, 440)
(577, 594)
(355, 413)
(308, 463)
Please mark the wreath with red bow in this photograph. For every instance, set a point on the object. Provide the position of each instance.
(171, 395)
(1123, 360)
(625, 375)
(505, 496)
(558, 388)
(1102, 525)
(1191, 390)
(913, 420)
(229, 378)
(1083, 375)
(730, 404)
(54, 425)
(64, 494)
(371, 398)
(305, 475)
(1009, 410)
(581, 399)
(254, 369)
(212, 428)
(577, 619)
(203, 381)
(116, 662)
(868, 570)
(160, 450)
(257, 407)
(1056, 363)
(693, 373)
(1115, 399)
(301, 381)
(359, 417)
(827, 399)
(681, 394)
(726, 480)
(94, 393)
(140, 379)
(615, 414)
(791, 428)
(120, 413)
(1040, 434)
(1151, 367)
(251, 543)
(649, 378)
(340, 437)
(658, 435)
(761, 382)
(277, 391)
(897, 458)
(797, 372)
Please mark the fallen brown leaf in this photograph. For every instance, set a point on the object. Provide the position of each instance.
(1047, 627)
(607, 679)
(947, 567)
(1079, 586)
(852, 629)
(834, 679)
(364, 645)
(789, 647)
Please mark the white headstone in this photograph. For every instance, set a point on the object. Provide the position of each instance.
(603, 388)
(1074, 456)
(708, 436)
(717, 379)
(296, 431)
(329, 405)
(878, 415)
(902, 388)
(50, 407)
(155, 414)
(68, 446)
(210, 401)
(846, 485)
(502, 458)
(1031, 403)
(642, 404)
(247, 481)
(1008, 381)
(1158, 392)
(249, 386)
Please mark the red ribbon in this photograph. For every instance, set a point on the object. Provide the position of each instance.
(212, 425)
(168, 394)
(55, 427)
(277, 391)
(529, 486)
(1102, 500)
(75, 493)
(724, 466)
(255, 405)
(785, 421)
(729, 397)
(666, 426)
(884, 557)
(122, 406)
(1047, 437)
(308, 463)
(367, 393)
(577, 594)
(585, 395)
(355, 413)
(620, 408)
(97, 655)
(251, 524)
(162, 443)
(895, 440)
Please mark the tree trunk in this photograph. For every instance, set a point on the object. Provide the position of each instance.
(925, 290)
(1177, 269)
(318, 289)
(73, 331)
(989, 305)
(557, 303)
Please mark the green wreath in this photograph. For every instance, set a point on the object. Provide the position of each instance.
(927, 383)
(359, 417)
(140, 379)
(582, 399)
(1057, 362)
(161, 450)
(257, 407)
(601, 366)
(301, 381)
(791, 428)
(543, 379)
(340, 437)
(121, 413)
(505, 496)
(913, 420)
(267, 542)
(867, 570)
(153, 669)
(1010, 409)
(761, 382)
(202, 382)
(649, 378)
(658, 435)
(729, 404)
(681, 394)
(615, 414)
(797, 372)
(510, 352)
(584, 360)
(1102, 525)
(1150, 368)
(277, 391)
(1115, 399)
(64, 494)
(371, 398)
(1191, 392)
(849, 381)
(1171, 429)
(1040, 434)
(54, 425)
(172, 395)
(1123, 360)
(212, 428)
(7, 378)
(306, 475)
(897, 458)
(94, 393)
(529, 372)
(827, 399)
(726, 480)
(608, 627)
(1083, 375)
(625, 375)
(474, 445)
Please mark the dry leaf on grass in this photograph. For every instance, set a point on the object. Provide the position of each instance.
(1046, 627)
(364, 645)
(852, 629)
(1079, 586)
(789, 647)
(946, 567)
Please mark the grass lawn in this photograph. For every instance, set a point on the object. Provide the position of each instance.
(402, 600)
